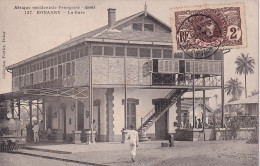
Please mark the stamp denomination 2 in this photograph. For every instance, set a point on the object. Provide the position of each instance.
(207, 28)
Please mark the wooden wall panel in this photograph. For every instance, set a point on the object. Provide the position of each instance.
(100, 70)
(144, 78)
(116, 70)
(15, 84)
(132, 71)
(82, 71)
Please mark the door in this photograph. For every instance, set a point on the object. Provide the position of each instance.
(80, 115)
(131, 114)
(63, 121)
(49, 117)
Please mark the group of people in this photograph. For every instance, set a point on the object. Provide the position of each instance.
(132, 136)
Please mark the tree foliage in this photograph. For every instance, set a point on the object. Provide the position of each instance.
(233, 88)
(245, 66)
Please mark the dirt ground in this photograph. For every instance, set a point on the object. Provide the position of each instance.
(217, 153)
(184, 153)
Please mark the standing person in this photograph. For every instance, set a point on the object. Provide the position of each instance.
(95, 128)
(35, 129)
(132, 135)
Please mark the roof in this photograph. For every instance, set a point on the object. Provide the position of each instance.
(250, 100)
(188, 105)
(105, 32)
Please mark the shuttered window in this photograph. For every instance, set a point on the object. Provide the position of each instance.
(52, 73)
(167, 53)
(132, 52)
(59, 71)
(97, 50)
(120, 51)
(145, 52)
(109, 51)
(137, 27)
(149, 27)
(68, 69)
(168, 66)
(157, 53)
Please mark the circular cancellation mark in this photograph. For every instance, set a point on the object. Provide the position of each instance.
(199, 36)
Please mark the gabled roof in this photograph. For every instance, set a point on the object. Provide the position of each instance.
(189, 106)
(106, 32)
(250, 100)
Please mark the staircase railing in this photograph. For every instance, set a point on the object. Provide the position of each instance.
(150, 114)
(147, 116)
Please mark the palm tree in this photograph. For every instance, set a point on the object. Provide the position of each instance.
(254, 92)
(245, 65)
(233, 87)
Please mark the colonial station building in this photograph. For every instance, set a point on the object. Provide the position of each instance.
(121, 74)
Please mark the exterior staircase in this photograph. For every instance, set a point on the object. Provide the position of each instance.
(149, 119)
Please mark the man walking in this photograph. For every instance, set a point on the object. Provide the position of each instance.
(132, 135)
(36, 128)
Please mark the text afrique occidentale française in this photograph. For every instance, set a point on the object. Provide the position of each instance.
(54, 10)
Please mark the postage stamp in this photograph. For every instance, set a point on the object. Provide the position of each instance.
(205, 29)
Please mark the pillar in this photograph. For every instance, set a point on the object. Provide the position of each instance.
(19, 108)
(44, 114)
(37, 108)
(30, 111)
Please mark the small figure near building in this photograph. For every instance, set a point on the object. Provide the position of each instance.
(35, 129)
(132, 135)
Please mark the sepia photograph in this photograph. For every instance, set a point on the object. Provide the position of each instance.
(129, 82)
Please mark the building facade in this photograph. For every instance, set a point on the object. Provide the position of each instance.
(120, 74)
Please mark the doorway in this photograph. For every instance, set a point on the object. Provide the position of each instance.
(63, 120)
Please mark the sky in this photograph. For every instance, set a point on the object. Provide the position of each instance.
(27, 34)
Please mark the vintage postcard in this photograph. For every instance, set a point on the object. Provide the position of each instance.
(129, 82)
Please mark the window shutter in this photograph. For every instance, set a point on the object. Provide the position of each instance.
(161, 66)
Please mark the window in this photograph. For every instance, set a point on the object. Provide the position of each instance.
(81, 51)
(85, 53)
(59, 59)
(40, 67)
(73, 68)
(137, 27)
(120, 51)
(148, 27)
(52, 73)
(37, 67)
(97, 50)
(217, 56)
(167, 53)
(73, 55)
(68, 57)
(132, 51)
(31, 78)
(48, 63)
(77, 54)
(55, 61)
(187, 56)
(178, 55)
(157, 53)
(188, 69)
(68, 69)
(145, 52)
(59, 71)
(44, 75)
(51, 62)
(63, 58)
(131, 111)
(108, 51)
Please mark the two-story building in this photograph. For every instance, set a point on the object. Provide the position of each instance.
(123, 73)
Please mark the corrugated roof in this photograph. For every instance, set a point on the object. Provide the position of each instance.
(250, 100)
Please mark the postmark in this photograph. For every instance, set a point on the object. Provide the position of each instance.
(201, 31)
